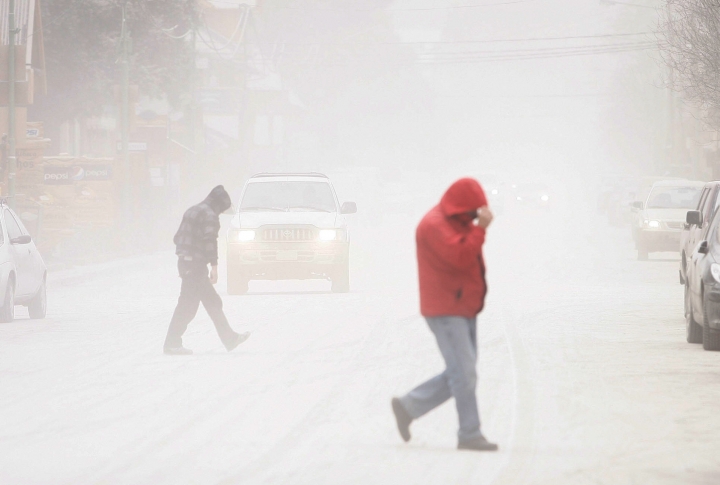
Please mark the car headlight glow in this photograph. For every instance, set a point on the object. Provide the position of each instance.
(653, 224)
(494, 192)
(544, 198)
(244, 235)
(327, 234)
(715, 271)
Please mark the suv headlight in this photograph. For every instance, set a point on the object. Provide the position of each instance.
(242, 235)
(715, 271)
(652, 224)
(327, 234)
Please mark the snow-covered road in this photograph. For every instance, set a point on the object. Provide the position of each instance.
(585, 376)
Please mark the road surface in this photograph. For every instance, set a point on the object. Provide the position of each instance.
(584, 374)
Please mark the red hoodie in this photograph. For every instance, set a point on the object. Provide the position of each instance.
(449, 252)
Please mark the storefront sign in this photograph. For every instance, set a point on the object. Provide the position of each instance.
(59, 175)
(134, 146)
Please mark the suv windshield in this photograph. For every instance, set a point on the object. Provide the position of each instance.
(674, 197)
(288, 196)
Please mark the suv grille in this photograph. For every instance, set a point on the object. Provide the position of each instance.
(674, 225)
(288, 234)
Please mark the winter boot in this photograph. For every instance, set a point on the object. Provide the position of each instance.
(177, 351)
(240, 338)
(477, 444)
(403, 419)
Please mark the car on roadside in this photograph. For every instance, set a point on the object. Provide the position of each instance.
(618, 206)
(23, 274)
(289, 226)
(534, 195)
(659, 220)
(495, 191)
(697, 224)
(702, 290)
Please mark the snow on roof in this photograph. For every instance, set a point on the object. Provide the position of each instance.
(679, 183)
(288, 177)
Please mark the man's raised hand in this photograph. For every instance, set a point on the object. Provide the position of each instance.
(484, 217)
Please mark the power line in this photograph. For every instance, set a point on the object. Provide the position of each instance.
(542, 50)
(531, 56)
(457, 42)
(472, 96)
(520, 55)
(628, 4)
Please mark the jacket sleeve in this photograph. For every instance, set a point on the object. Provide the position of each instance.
(208, 238)
(457, 251)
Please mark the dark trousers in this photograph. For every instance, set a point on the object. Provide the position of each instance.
(196, 288)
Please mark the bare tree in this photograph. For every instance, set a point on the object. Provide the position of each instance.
(690, 46)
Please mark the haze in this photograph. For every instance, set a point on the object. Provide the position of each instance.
(565, 111)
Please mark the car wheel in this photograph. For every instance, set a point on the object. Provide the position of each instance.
(237, 282)
(38, 305)
(7, 313)
(693, 330)
(341, 279)
(710, 337)
(642, 254)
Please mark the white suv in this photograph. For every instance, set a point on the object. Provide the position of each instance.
(289, 226)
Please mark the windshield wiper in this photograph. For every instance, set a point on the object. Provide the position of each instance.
(273, 209)
(318, 209)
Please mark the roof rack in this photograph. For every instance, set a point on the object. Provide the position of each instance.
(290, 174)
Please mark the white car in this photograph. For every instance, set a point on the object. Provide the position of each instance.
(659, 220)
(289, 226)
(23, 273)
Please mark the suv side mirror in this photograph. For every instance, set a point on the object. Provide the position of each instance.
(703, 247)
(693, 217)
(348, 208)
(638, 204)
(21, 240)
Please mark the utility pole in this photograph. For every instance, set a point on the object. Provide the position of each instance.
(12, 160)
(125, 122)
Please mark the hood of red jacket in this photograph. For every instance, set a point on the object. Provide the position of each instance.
(463, 196)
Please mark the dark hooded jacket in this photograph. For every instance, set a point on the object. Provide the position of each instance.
(196, 238)
(449, 252)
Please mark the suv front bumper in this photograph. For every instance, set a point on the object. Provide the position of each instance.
(287, 260)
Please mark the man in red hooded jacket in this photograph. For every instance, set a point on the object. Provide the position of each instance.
(452, 293)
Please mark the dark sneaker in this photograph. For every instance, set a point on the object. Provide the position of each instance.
(478, 444)
(403, 419)
(241, 337)
(177, 351)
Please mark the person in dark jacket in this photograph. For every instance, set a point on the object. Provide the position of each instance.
(452, 293)
(196, 247)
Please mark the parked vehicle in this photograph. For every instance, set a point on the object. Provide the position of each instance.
(612, 191)
(289, 226)
(495, 191)
(23, 273)
(618, 206)
(659, 220)
(534, 194)
(697, 224)
(702, 290)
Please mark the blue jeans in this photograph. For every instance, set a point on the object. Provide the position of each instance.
(457, 339)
